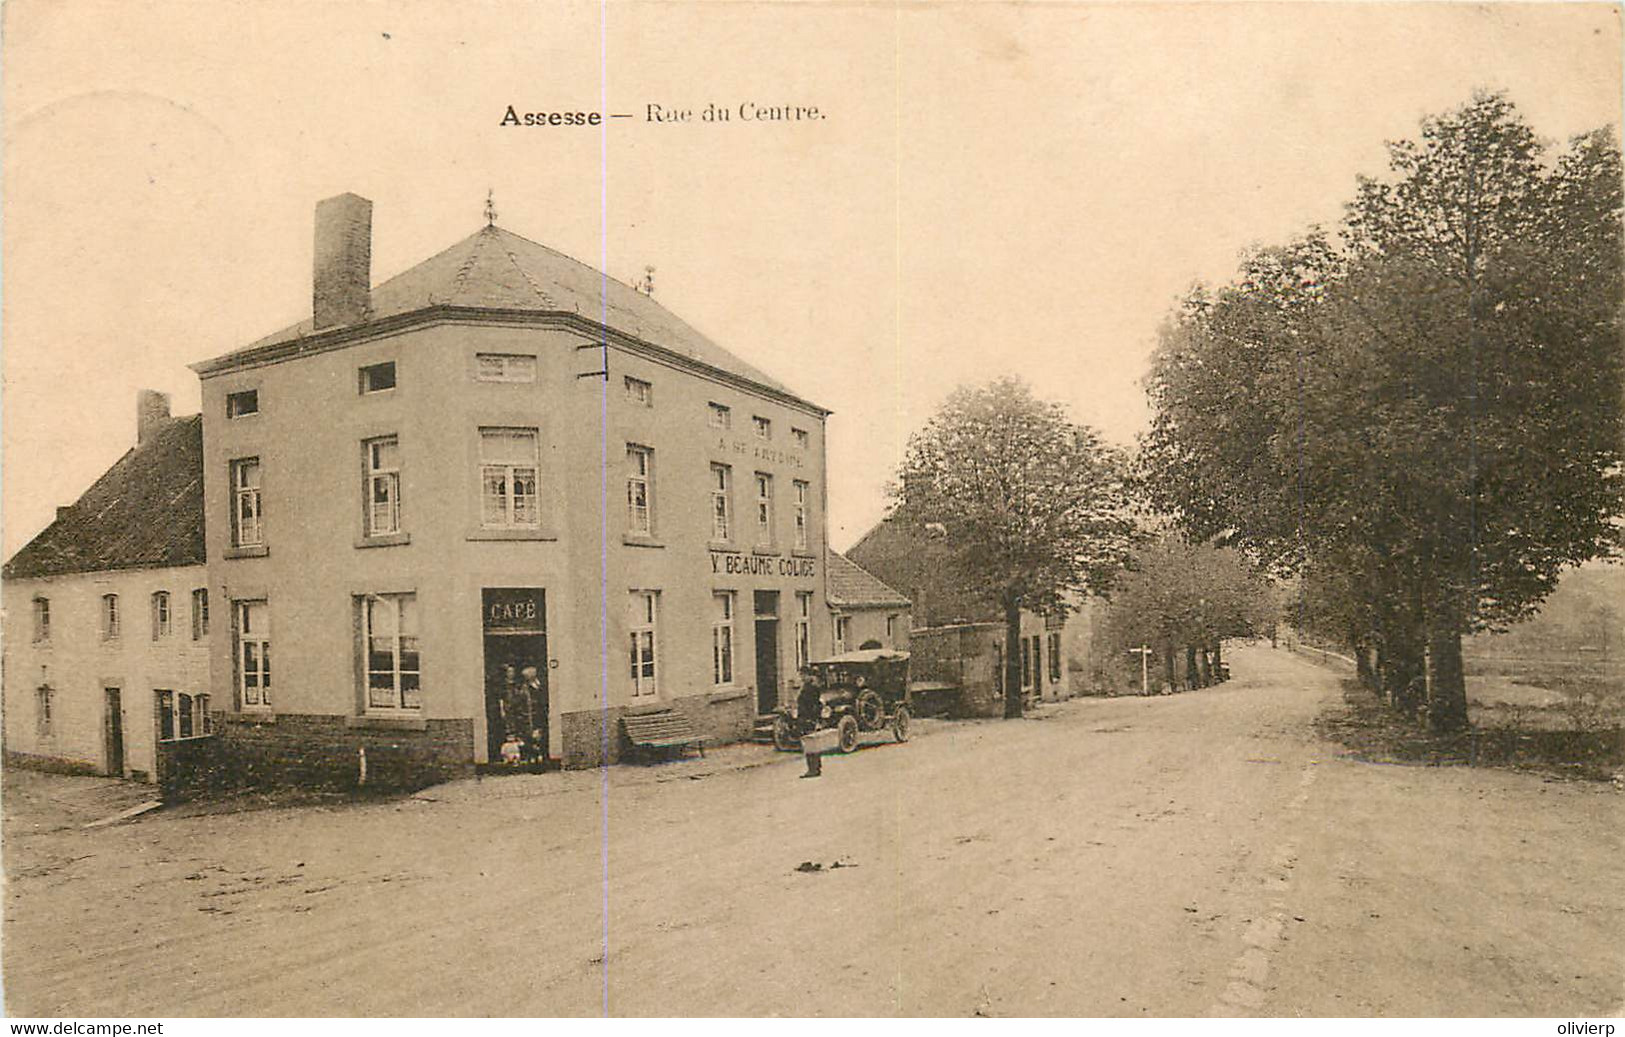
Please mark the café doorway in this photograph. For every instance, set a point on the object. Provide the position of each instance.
(514, 626)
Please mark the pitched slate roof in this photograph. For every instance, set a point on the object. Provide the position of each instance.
(852, 586)
(499, 270)
(145, 512)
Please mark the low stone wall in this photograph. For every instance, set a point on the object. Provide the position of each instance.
(317, 751)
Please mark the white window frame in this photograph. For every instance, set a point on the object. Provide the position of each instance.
(843, 633)
(162, 615)
(367, 373)
(722, 484)
(720, 416)
(405, 689)
(722, 638)
(761, 428)
(509, 473)
(247, 503)
(200, 613)
(110, 617)
(764, 509)
(639, 392)
(644, 644)
(803, 629)
(639, 490)
(513, 368)
(802, 492)
(260, 641)
(42, 619)
(382, 480)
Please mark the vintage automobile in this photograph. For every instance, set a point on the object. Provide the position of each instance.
(858, 692)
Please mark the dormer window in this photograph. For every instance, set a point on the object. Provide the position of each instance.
(378, 377)
(242, 404)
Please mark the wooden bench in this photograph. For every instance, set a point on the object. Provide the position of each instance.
(660, 730)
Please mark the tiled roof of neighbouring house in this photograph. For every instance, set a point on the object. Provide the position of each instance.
(499, 270)
(852, 586)
(145, 512)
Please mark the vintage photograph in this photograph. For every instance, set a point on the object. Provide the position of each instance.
(804, 510)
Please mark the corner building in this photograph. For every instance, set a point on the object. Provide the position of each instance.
(500, 457)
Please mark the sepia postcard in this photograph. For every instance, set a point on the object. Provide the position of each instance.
(812, 510)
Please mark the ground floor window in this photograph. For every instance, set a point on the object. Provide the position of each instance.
(645, 619)
(1026, 663)
(843, 633)
(42, 704)
(722, 638)
(390, 633)
(254, 654)
(1055, 656)
(181, 715)
(803, 629)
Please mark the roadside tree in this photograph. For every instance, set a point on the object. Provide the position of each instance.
(1031, 506)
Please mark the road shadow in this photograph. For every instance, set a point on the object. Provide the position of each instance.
(1370, 730)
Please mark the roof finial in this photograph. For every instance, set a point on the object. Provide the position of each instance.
(490, 209)
(646, 284)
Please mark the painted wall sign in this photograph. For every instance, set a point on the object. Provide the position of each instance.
(736, 563)
(515, 609)
(748, 448)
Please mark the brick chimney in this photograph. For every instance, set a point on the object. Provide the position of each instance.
(151, 411)
(342, 287)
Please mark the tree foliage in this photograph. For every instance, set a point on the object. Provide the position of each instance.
(1031, 506)
(1424, 413)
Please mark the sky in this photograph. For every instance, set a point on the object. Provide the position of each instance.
(993, 189)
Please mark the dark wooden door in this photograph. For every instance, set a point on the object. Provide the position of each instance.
(114, 730)
(767, 665)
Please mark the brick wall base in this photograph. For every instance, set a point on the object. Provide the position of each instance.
(317, 751)
(53, 764)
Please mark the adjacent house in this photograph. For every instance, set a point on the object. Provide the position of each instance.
(956, 626)
(109, 617)
(865, 613)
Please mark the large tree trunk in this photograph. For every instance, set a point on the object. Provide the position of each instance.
(1218, 660)
(1401, 673)
(1202, 666)
(1168, 674)
(1362, 664)
(1012, 659)
(1446, 681)
(1190, 668)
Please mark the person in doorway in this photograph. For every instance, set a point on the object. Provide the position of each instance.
(536, 694)
(518, 711)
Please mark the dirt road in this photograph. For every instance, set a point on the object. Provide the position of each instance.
(1191, 855)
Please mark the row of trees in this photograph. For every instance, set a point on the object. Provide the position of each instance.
(1422, 415)
(1419, 417)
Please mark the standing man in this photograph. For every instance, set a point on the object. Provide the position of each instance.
(536, 694)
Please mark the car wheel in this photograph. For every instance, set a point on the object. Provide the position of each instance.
(847, 732)
(871, 712)
(899, 724)
(784, 735)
